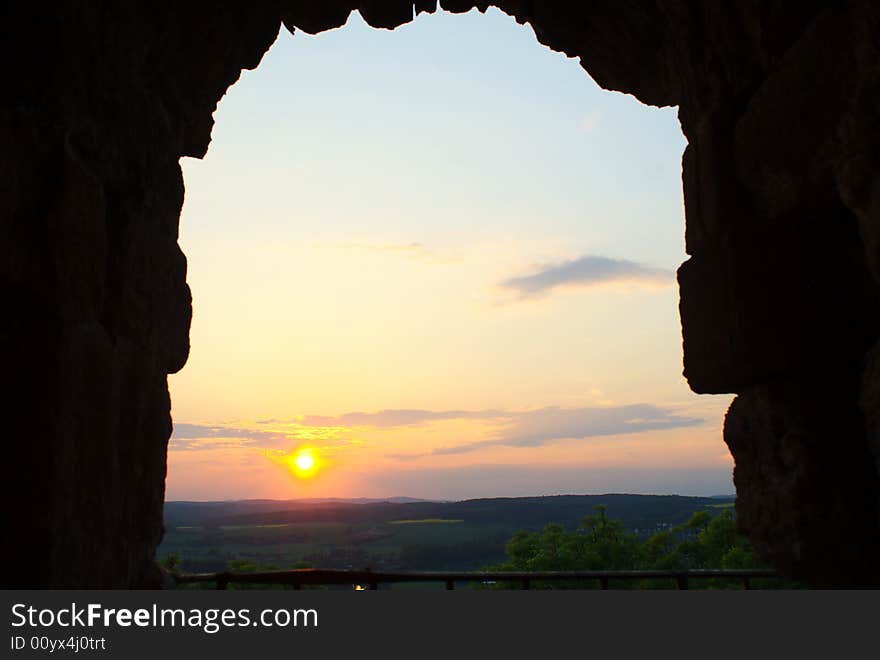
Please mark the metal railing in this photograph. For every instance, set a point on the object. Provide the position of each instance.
(298, 578)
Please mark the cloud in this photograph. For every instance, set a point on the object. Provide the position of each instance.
(589, 270)
(531, 428)
(202, 436)
(538, 427)
(401, 417)
(183, 431)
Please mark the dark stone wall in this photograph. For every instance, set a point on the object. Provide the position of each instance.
(780, 104)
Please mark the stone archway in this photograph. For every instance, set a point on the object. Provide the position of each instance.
(779, 299)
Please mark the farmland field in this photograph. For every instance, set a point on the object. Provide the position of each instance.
(466, 535)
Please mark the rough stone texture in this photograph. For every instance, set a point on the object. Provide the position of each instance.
(780, 104)
(795, 485)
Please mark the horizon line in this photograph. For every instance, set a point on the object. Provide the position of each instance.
(440, 500)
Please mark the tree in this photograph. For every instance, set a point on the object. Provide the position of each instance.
(601, 543)
(171, 562)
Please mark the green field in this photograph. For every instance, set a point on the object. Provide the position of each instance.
(440, 544)
(424, 521)
(467, 535)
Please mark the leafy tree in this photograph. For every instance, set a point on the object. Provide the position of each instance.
(601, 543)
(245, 566)
(171, 562)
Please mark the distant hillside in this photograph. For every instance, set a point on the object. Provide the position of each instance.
(392, 535)
(197, 513)
(636, 511)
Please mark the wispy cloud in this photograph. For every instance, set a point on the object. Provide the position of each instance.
(203, 436)
(188, 431)
(399, 417)
(538, 427)
(589, 270)
(530, 428)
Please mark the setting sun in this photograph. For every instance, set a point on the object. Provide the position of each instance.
(303, 463)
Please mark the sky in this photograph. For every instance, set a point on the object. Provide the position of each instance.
(436, 262)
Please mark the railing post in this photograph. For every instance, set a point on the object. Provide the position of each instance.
(222, 580)
(295, 580)
(374, 586)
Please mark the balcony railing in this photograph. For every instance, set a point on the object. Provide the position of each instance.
(368, 579)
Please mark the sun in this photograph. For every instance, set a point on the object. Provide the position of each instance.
(304, 463)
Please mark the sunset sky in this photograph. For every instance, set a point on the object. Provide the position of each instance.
(441, 261)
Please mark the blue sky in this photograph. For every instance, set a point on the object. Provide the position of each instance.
(447, 218)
